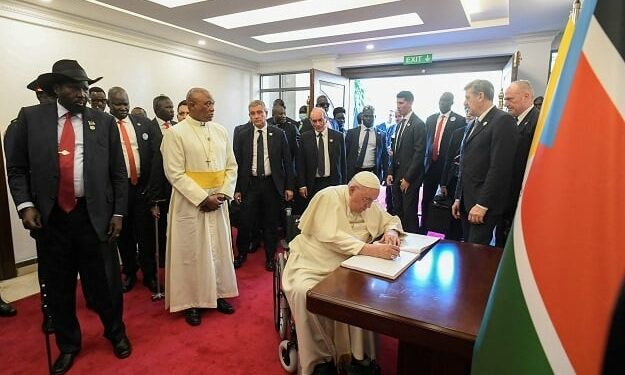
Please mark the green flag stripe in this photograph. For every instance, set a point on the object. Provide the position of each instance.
(507, 342)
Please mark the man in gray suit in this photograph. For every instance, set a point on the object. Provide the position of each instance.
(486, 162)
(68, 181)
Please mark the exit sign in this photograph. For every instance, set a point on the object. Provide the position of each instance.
(418, 59)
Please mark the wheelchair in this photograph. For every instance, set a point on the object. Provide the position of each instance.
(284, 324)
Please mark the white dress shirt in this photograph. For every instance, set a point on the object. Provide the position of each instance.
(369, 161)
(132, 136)
(267, 166)
(326, 150)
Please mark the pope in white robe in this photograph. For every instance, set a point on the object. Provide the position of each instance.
(198, 162)
(339, 222)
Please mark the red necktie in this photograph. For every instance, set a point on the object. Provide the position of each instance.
(132, 165)
(66, 198)
(437, 137)
(166, 125)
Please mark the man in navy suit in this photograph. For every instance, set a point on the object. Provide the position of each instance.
(265, 178)
(365, 147)
(321, 157)
(406, 170)
(519, 99)
(486, 162)
(140, 140)
(439, 128)
(68, 180)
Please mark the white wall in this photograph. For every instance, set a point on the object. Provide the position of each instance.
(137, 65)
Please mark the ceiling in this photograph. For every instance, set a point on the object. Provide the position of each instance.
(443, 22)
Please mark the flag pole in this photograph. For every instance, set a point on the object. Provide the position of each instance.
(577, 4)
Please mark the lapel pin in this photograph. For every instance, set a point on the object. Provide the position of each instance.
(484, 123)
(138, 124)
(270, 134)
(91, 124)
(145, 136)
(331, 140)
(453, 118)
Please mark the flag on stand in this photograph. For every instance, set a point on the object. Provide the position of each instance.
(552, 306)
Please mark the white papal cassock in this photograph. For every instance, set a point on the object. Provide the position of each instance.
(198, 161)
(330, 234)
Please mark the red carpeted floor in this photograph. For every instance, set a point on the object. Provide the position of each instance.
(243, 343)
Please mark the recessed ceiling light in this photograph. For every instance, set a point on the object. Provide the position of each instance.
(384, 23)
(201, 42)
(298, 9)
(175, 3)
(370, 46)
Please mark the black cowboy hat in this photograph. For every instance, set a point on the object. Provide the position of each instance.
(64, 70)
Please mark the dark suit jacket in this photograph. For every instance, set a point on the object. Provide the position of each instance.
(525, 131)
(292, 136)
(33, 166)
(452, 158)
(307, 158)
(486, 162)
(158, 188)
(148, 140)
(306, 126)
(454, 122)
(408, 156)
(279, 158)
(352, 146)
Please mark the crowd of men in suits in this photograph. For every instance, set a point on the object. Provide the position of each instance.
(81, 191)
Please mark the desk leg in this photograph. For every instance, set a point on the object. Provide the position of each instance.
(413, 359)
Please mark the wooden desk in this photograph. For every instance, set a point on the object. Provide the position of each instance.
(434, 308)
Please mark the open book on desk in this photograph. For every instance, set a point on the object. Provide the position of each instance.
(411, 247)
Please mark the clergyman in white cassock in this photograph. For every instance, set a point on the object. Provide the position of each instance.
(198, 161)
(339, 222)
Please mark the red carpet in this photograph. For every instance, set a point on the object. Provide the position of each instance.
(243, 343)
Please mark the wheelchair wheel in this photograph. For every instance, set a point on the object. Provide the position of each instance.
(288, 356)
(277, 293)
(285, 319)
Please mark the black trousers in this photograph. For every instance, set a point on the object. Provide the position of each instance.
(68, 244)
(149, 239)
(137, 234)
(260, 207)
(478, 233)
(455, 225)
(406, 205)
(389, 200)
(430, 184)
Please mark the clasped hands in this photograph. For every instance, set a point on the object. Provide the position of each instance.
(212, 202)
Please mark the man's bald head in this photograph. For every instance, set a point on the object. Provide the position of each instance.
(201, 104)
(519, 96)
(318, 119)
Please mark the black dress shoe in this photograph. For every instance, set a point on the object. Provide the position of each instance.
(239, 260)
(6, 309)
(63, 363)
(253, 247)
(193, 317)
(269, 265)
(326, 368)
(122, 348)
(47, 326)
(150, 283)
(129, 283)
(224, 307)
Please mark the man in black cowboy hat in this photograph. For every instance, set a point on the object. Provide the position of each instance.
(68, 179)
(44, 94)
